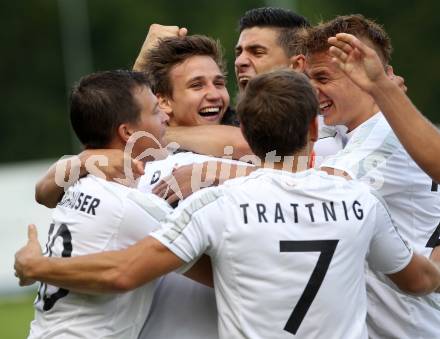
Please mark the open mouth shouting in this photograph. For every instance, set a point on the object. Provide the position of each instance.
(243, 81)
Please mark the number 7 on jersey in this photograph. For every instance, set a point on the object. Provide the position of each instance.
(327, 249)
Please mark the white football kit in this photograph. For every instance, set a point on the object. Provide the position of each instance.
(95, 215)
(374, 155)
(182, 308)
(288, 252)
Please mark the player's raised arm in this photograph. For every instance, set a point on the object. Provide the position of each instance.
(362, 64)
(155, 33)
(105, 163)
(210, 139)
(113, 271)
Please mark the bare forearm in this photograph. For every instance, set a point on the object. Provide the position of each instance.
(434, 276)
(210, 139)
(96, 273)
(420, 277)
(48, 191)
(419, 137)
(236, 171)
(435, 257)
(140, 64)
(430, 277)
(109, 164)
(106, 272)
(141, 60)
(217, 172)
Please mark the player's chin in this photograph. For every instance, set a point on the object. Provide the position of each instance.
(330, 119)
(211, 120)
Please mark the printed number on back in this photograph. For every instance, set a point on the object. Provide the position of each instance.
(327, 249)
(48, 295)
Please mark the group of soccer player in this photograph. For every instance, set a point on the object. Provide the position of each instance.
(327, 227)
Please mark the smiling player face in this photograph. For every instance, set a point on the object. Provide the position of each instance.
(341, 102)
(199, 92)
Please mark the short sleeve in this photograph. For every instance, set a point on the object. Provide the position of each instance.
(195, 227)
(388, 252)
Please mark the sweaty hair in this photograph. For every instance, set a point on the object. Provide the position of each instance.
(101, 101)
(175, 50)
(275, 112)
(355, 24)
(287, 23)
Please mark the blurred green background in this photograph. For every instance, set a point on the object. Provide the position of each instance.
(47, 45)
(15, 315)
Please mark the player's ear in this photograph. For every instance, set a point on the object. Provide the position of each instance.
(313, 130)
(164, 103)
(124, 132)
(298, 63)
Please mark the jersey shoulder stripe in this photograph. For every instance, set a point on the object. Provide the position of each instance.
(184, 213)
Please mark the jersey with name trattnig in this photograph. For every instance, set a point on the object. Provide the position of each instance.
(375, 155)
(94, 216)
(288, 252)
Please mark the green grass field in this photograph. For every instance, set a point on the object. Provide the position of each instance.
(15, 316)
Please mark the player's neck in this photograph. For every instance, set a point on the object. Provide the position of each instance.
(361, 118)
(297, 162)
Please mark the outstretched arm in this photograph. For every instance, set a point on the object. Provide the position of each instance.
(362, 64)
(110, 164)
(155, 33)
(106, 272)
(209, 139)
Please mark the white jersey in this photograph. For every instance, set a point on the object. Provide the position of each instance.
(374, 155)
(288, 252)
(94, 216)
(182, 308)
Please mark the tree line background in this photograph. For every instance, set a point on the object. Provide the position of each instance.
(49, 44)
